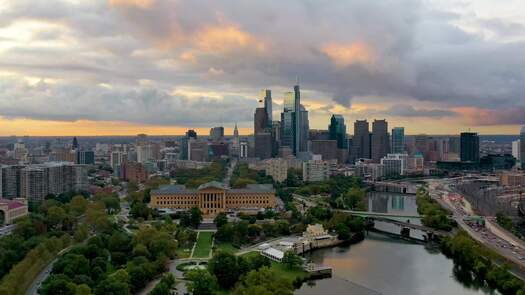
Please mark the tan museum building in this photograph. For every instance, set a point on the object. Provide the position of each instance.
(213, 198)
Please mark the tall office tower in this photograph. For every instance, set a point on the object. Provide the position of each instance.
(522, 147)
(294, 122)
(469, 147)
(516, 150)
(10, 181)
(260, 121)
(361, 140)
(398, 140)
(276, 137)
(32, 184)
(380, 140)
(217, 134)
(183, 144)
(75, 143)
(263, 145)
(304, 127)
(266, 96)
(197, 150)
(337, 131)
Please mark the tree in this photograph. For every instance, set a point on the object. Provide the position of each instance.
(164, 286)
(221, 219)
(112, 204)
(202, 282)
(263, 281)
(140, 210)
(226, 269)
(292, 260)
(55, 216)
(83, 290)
(115, 284)
(195, 217)
(57, 285)
(78, 205)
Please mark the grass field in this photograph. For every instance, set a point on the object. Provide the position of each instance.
(203, 245)
(228, 247)
(281, 269)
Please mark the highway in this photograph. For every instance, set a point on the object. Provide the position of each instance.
(492, 237)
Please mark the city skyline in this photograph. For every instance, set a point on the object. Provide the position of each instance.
(122, 67)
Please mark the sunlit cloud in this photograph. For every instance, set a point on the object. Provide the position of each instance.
(136, 3)
(343, 55)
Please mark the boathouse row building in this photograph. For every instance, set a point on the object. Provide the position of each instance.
(213, 198)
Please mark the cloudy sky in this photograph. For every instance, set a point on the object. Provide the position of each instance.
(102, 67)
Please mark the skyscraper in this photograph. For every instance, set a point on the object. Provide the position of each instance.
(469, 147)
(75, 143)
(217, 134)
(294, 122)
(337, 131)
(361, 140)
(380, 142)
(260, 121)
(266, 96)
(398, 140)
(522, 147)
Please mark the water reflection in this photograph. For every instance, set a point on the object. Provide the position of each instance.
(384, 265)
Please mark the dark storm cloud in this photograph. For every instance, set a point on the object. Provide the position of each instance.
(342, 49)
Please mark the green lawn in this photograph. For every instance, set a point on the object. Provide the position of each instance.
(203, 245)
(281, 269)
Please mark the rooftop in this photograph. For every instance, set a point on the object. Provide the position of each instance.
(177, 188)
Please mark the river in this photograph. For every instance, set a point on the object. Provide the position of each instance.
(382, 264)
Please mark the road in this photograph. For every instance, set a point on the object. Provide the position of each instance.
(6, 229)
(229, 172)
(492, 237)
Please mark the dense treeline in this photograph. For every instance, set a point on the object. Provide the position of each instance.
(476, 263)
(434, 215)
(194, 177)
(241, 275)
(243, 175)
(112, 263)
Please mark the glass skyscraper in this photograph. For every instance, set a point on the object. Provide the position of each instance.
(398, 140)
(337, 131)
(266, 96)
(294, 122)
(469, 147)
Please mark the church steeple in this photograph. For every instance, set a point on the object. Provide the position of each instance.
(235, 130)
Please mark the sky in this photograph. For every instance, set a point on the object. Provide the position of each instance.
(123, 67)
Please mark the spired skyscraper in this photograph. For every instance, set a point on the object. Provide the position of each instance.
(398, 140)
(294, 122)
(266, 97)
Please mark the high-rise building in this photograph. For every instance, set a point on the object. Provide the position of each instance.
(10, 183)
(398, 140)
(263, 145)
(266, 96)
(217, 134)
(361, 140)
(134, 172)
(116, 159)
(421, 144)
(469, 147)
(337, 131)
(394, 164)
(326, 148)
(260, 121)
(197, 150)
(85, 157)
(380, 140)
(294, 122)
(38, 181)
(75, 143)
(522, 148)
(236, 142)
(316, 170)
(183, 144)
(277, 168)
(516, 150)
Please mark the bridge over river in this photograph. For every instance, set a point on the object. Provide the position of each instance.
(394, 218)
